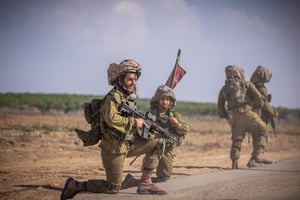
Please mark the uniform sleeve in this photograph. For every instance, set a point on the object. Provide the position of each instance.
(113, 117)
(267, 107)
(263, 91)
(222, 112)
(183, 127)
(270, 110)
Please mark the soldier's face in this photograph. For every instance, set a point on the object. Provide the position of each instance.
(130, 82)
(164, 102)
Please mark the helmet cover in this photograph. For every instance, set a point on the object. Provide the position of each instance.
(234, 71)
(261, 74)
(114, 70)
(163, 90)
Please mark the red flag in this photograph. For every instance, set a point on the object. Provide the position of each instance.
(175, 76)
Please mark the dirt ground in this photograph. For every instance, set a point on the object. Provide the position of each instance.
(279, 181)
(39, 152)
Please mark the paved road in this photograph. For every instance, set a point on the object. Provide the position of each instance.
(273, 182)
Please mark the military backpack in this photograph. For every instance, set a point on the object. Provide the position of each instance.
(92, 116)
(235, 92)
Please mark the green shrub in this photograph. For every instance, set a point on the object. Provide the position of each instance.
(74, 102)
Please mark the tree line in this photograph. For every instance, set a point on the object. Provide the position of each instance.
(73, 102)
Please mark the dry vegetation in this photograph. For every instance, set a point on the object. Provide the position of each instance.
(38, 152)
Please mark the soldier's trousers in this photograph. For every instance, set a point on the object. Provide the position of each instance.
(165, 165)
(114, 163)
(247, 122)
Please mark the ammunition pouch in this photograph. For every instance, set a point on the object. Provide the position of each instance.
(130, 137)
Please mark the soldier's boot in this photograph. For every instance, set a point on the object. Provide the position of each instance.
(147, 187)
(252, 163)
(234, 164)
(129, 181)
(71, 188)
(259, 158)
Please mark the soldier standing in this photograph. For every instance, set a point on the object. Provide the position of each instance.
(259, 77)
(120, 137)
(237, 102)
(162, 110)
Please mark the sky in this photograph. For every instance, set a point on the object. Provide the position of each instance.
(66, 46)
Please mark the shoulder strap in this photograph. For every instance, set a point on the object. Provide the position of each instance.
(111, 93)
(173, 113)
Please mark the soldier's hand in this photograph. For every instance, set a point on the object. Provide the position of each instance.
(139, 123)
(174, 121)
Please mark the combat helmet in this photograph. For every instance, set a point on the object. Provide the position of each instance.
(234, 71)
(115, 71)
(261, 74)
(163, 90)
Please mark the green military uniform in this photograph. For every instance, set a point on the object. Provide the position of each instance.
(267, 111)
(169, 119)
(240, 105)
(259, 77)
(119, 137)
(165, 166)
(116, 145)
(178, 132)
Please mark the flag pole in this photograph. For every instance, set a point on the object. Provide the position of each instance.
(175, 67)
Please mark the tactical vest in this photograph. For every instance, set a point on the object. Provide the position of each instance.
(163, 121)
(234, 92)
(98, 126)
(130, 136)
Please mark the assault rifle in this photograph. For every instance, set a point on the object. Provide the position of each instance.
(270, 118)
(273, 126)
(150, 124)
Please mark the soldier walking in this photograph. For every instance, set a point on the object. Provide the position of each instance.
(239, 102)
(259, 77)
